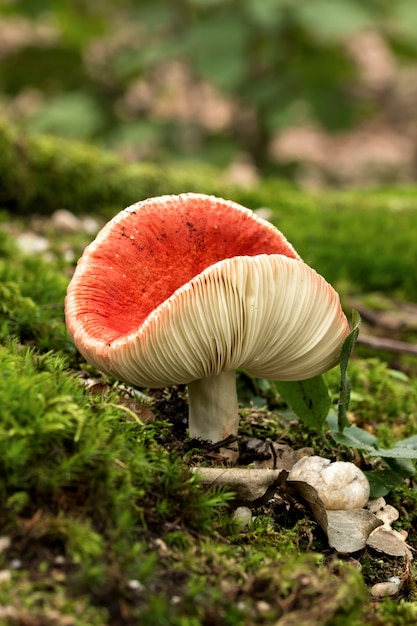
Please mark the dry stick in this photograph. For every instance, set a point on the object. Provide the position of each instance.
(391, 345)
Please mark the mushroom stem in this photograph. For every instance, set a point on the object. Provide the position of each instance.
(213, 407)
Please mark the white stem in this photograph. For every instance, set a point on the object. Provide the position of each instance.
(213, 407)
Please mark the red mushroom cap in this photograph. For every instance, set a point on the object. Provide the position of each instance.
(151, 249)
(179, 288)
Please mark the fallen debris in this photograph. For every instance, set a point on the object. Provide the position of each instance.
(385, 539)
(249, 485)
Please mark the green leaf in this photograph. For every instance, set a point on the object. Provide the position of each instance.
(75, 115)
(351, 436)
(309, 399)
(405, 16)
(382, 482)
(400, 453)
(402, 467)
(216, 45)
(355, 437)
(409, 442)
(395, 453)
(345, 387)
(334, 20)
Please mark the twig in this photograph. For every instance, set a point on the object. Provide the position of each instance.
(391, 345)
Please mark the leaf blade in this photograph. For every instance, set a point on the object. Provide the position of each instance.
(345, 387)
(309, 399)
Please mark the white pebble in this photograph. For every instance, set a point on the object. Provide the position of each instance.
(4, 576)
(340, 485)
(90, 225)
(30, 243)
(5, 543)
(135, 585)
(379, 590)
(262, 606)
(65, 221)
(243, 515)
(59, 559)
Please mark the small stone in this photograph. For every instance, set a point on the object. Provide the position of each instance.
(262, 606)
(16, 564)
(5, 543)
(30, 243)
(69, 255)
(59, 575)
(243, 515)
(135, 585)
(65, 221)
(90, 225)
(162, 546)
(4, 576)
(380, 590)
(59, 560)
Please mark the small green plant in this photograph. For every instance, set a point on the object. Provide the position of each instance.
(311, 401)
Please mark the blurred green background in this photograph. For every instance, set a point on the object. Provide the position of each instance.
(321, 91)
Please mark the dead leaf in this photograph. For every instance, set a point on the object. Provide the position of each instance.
(310, 496)
(96, 388)
(348, 531)
(143, 413)
(249, 485)
(387, 514)
(385, 539)
(390, 542)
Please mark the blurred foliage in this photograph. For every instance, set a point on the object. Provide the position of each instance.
(206, 79)
(339, 233)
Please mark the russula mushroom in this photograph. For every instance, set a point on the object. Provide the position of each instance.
(188, 288)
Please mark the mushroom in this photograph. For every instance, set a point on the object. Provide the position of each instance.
(187, 289)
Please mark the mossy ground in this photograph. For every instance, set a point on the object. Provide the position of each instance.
(107, 525)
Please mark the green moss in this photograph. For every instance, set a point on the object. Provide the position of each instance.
(217, 590)
(53, 433)
(394, 613)
(46, 601)
(102, 491)
(40, 174)
(32, 291)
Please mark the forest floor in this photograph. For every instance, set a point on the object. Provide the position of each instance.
(84, 544)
